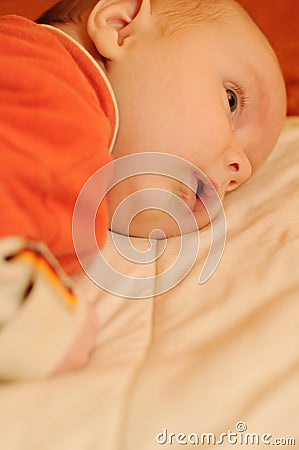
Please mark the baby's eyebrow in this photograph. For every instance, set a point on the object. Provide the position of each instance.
(259, 80)
(258, 85)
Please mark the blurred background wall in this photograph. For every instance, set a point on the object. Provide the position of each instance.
(29, 8)
(279, 20)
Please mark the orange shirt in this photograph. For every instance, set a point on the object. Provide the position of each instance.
(57, 123)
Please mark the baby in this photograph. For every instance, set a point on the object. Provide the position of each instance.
(194, 79)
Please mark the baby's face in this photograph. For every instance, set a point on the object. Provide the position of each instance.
(215, 97)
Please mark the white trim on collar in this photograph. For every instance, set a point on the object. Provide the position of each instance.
(103, 74)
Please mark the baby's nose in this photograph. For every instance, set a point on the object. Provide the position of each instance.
(238, 166)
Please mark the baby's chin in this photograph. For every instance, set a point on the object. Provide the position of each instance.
(164, 211)
(157, 224)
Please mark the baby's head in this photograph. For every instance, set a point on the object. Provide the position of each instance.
(196, 79)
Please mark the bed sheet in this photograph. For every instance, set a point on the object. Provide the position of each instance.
(198, 359)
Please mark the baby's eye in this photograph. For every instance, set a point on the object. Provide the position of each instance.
(232, 100)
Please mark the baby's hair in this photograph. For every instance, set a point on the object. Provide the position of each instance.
(172, 15)
(67, 11)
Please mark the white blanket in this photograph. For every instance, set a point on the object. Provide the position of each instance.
(198, 359)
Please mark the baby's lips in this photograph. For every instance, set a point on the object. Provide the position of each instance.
(200, 186)
(205, 186)
(207, 194)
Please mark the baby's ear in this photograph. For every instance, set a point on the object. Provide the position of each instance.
(112, 24)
